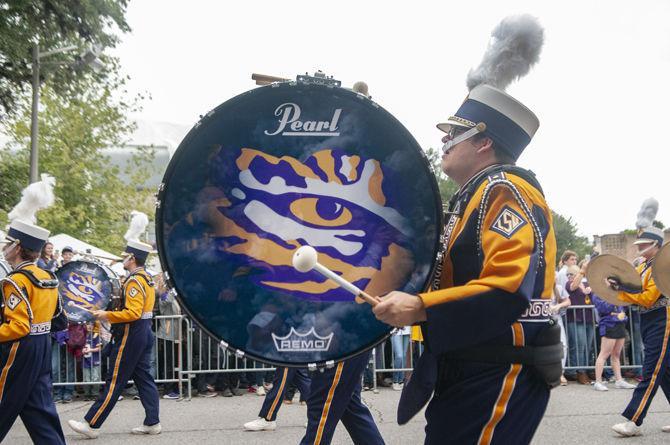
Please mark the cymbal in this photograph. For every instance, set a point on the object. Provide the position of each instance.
(607, 266)
(660, 270)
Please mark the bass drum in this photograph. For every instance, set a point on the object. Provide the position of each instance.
(86, 286)
(283, 166)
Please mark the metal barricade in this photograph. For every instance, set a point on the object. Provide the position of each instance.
(583, 339)
(71, 367)
(183, 352)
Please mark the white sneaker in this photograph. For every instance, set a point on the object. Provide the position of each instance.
(622, 384)
(627, 429)
(260, 424)
(666, 429)
(84, 429)
(397, 386)
(600, 386)
(260, 391)
(147, 429)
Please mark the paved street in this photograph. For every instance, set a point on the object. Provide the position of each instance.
(576, 415)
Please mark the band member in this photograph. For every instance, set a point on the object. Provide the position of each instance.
(335, 395)
(492, 349)
(283, 377)
(131, 351)
(29, 302)
(655, 330)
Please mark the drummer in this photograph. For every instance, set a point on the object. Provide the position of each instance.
(131, 351)
(30, 299)
(492, 295)
(334, 396)
(655, 327)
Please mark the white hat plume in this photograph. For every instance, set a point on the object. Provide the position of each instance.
(37, 196)
(514, 48)
(138, 223)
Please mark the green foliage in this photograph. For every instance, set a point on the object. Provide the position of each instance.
(446, 185)
(567, 238)
(92, 203)
(52, 24)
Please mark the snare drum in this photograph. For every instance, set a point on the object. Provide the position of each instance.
(86, 285)
(283, 166)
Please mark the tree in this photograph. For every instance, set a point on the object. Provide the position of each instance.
(446, 185)
(567, 239)
(92, 203)
(51, 24)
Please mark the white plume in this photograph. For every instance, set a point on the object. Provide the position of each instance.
(647, 213)
(37, 196)
(138, 223)
(514, 48)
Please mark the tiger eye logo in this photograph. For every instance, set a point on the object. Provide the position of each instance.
(85, 290)
(261, 208)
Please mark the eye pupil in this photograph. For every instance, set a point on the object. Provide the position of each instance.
(328, 208)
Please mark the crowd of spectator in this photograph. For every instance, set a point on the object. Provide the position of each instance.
(594, 331)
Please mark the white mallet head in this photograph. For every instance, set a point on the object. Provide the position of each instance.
(304, 259)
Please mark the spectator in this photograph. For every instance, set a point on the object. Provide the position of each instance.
(66, 255)
(46, 260)
(560, 302)
(168, 335)
(569, 258)
(399, 343)
(613, 334)
(91, 360)
(62, 367)
(580, 325)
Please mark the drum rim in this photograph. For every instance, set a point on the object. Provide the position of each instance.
(172, 165)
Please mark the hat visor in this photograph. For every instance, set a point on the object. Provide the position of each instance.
(446, 126)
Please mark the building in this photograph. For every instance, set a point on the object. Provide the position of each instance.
(619, 244)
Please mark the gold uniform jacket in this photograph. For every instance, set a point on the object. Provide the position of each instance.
(650, 298)
(138, 295)
(500, 255)
(27, 308)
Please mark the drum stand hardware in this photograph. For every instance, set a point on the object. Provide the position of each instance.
(319, 78)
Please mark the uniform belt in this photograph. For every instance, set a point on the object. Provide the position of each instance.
(538, 312)
(40, 328)
(147, 315)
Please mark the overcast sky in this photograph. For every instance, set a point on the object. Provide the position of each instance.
(601, 88)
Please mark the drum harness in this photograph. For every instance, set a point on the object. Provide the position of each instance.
(546, 354)
(58, 320)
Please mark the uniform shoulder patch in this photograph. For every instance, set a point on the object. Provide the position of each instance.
(508, 222)
(133, 291)
(13, 301)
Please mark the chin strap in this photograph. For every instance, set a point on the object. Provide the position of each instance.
(479, 128)
(654, 244)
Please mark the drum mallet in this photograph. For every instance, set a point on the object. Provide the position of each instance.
(73, 304)
(305, 259)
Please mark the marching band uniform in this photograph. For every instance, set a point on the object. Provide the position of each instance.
(29, 302)
(489, 333)
(131, 352)
(273, 399)
(335, 394)
(655, 330)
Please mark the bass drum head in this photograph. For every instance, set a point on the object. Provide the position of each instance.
(283, 166)
(85, 284)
